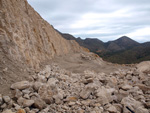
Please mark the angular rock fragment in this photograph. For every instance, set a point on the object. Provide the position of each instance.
(20, 85)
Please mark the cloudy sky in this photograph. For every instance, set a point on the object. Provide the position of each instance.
(102, 19)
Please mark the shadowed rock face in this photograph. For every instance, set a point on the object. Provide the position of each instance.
(26, 37)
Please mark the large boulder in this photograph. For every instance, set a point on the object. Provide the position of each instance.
(143, 66)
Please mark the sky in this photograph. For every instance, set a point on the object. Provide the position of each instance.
(103, 19)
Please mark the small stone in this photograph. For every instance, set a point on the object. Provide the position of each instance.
(27, 103)
(141, 110)
(37, 85)
(6, 99)
(26, 96)
(85, 93)
(112, 109)
(71, 98)
(17, 93)
(46, 93)
(8, 111)
(126, 87)
(20, 101)
(17, 107)
(1, 100)
(39, 103)
(71, 103)
(21, 111)
(20, 85)
(3, 106)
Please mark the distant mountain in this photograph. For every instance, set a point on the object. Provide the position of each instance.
(122, 43)
(133, 55)
(123, 50)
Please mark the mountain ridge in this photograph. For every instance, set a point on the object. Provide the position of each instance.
(111, 50)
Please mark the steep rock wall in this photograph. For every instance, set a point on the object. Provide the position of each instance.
(25, 36)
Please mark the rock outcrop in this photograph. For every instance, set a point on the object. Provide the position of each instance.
(24, 35)
(26, 40)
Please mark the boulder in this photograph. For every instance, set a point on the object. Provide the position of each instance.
(143, 66)
(20, 85)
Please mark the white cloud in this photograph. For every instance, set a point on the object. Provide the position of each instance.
(103, 19)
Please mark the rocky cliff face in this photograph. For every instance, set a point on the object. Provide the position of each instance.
(25, 36)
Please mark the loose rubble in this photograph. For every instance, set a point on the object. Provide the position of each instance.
(55, 90)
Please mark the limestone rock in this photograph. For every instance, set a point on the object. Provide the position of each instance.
(39, 103)
(141, 110)
(37, 85)
(6, 99)
(27, 103)
(143, 66)
(8, 111)
(126, 87)
(21, 111)
(104, 97)
(46, 93)
(85, 93)
(1, 100)
(20, 85)
(112, 109)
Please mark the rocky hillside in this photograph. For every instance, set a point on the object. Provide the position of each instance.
(26, 40)
(123, 50)
(26, 36)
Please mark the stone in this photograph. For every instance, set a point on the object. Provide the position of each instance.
(37, 85)
(46, 93)
(28, 103)
(8, 111)
(3, 106)
(131, 103)
(118, 107)
(141, 110)
(103, 96)
(20, 85)
(21, 111)
(112, 109)
(17, 107)
(39, 103)
(1, 100)
(85, 93)
(20, 101)
(52, 81)
(147, 104)
(71, 98)
(6, 99)
(143, 66)
(143, 87)
(126, 87)
(16, 93)
(26, 96)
